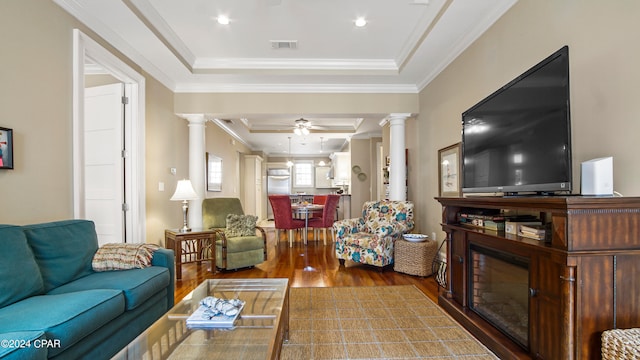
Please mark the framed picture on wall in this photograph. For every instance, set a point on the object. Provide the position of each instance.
(214, 173)
(449, 171)
(6, 148)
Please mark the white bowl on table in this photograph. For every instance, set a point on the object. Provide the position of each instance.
(415, 237)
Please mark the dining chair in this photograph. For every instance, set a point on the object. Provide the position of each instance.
(319, 199)
(327, 219)
(283, 218)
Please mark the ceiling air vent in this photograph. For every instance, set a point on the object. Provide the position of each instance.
(284, 44)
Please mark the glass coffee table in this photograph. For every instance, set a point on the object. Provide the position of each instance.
(258, 333)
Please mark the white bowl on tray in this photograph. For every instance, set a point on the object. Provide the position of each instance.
(415, 237)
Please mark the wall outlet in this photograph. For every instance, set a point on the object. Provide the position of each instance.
(433, 236)
(160, 186)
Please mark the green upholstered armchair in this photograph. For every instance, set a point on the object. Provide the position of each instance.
(233, 252)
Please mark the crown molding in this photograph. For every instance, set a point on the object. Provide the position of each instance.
(297, 88)
(466, 41)
(296, 66)
(422, 31)
(148, 15)
(229, 131)
(74, 8)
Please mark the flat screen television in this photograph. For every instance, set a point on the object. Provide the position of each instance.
(518, 139)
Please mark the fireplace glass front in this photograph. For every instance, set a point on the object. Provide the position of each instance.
(499, 284)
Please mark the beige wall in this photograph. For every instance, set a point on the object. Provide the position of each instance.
(604, 72)
(224, 146)
(99, 80)
(36, 101)
(167, 147)
(360, 190)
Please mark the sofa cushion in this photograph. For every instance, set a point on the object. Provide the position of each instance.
(241, 259)
(242, 243)
(138, 285)
(63, 250)
(16, 254)
(74, 316)
(22, 345)
(123, 256)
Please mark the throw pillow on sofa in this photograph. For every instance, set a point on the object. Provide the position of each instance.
(240, 225)
(123, 256)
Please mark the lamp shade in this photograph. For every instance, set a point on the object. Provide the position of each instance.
(184, 191)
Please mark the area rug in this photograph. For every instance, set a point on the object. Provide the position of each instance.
(376, 322)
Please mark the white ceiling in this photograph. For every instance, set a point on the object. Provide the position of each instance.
(404, 45)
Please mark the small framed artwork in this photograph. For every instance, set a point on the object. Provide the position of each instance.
(214, 173)
(6, 148)
(449, 171)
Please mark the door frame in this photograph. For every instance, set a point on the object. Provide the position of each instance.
(85, 47)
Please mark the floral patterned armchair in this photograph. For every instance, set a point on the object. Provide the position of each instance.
(370, 239)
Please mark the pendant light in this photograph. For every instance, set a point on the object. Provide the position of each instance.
(289, 162)
(321, 163)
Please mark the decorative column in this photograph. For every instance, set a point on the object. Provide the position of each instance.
(196, 166)
(398, 168)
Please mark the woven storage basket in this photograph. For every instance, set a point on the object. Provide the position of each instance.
(621, 344)
(414, 258)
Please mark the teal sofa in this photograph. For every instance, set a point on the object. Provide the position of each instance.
(54, 306)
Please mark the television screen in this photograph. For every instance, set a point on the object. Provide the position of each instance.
(518, 139)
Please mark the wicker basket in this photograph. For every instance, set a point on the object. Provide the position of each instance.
(414, 258)
(621, 344)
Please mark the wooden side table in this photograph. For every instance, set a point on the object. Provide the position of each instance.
(193, 246)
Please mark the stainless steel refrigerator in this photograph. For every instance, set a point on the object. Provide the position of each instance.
(278, 183)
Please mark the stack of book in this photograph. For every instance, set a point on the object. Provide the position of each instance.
(513, 227)
(491, 221)
(215, 313)
(537, 232)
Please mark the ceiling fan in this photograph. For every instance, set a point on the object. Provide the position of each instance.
(302, 127)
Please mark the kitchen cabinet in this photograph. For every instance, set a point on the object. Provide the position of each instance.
(341, 163)
(322, 177)
(253, 197)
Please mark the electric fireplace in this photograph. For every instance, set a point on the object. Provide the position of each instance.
(499, 284)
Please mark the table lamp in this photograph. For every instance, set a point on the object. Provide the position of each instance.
(184, 192)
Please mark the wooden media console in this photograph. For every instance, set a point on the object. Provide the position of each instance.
(583, 280)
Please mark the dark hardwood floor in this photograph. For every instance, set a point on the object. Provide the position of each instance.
(313, 265)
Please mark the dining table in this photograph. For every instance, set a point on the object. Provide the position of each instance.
(302, 209)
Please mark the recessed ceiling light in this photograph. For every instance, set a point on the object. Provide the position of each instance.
(360, 22)
(223, 20)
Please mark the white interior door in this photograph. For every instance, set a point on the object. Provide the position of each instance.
(104, 161)
(90, 58)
